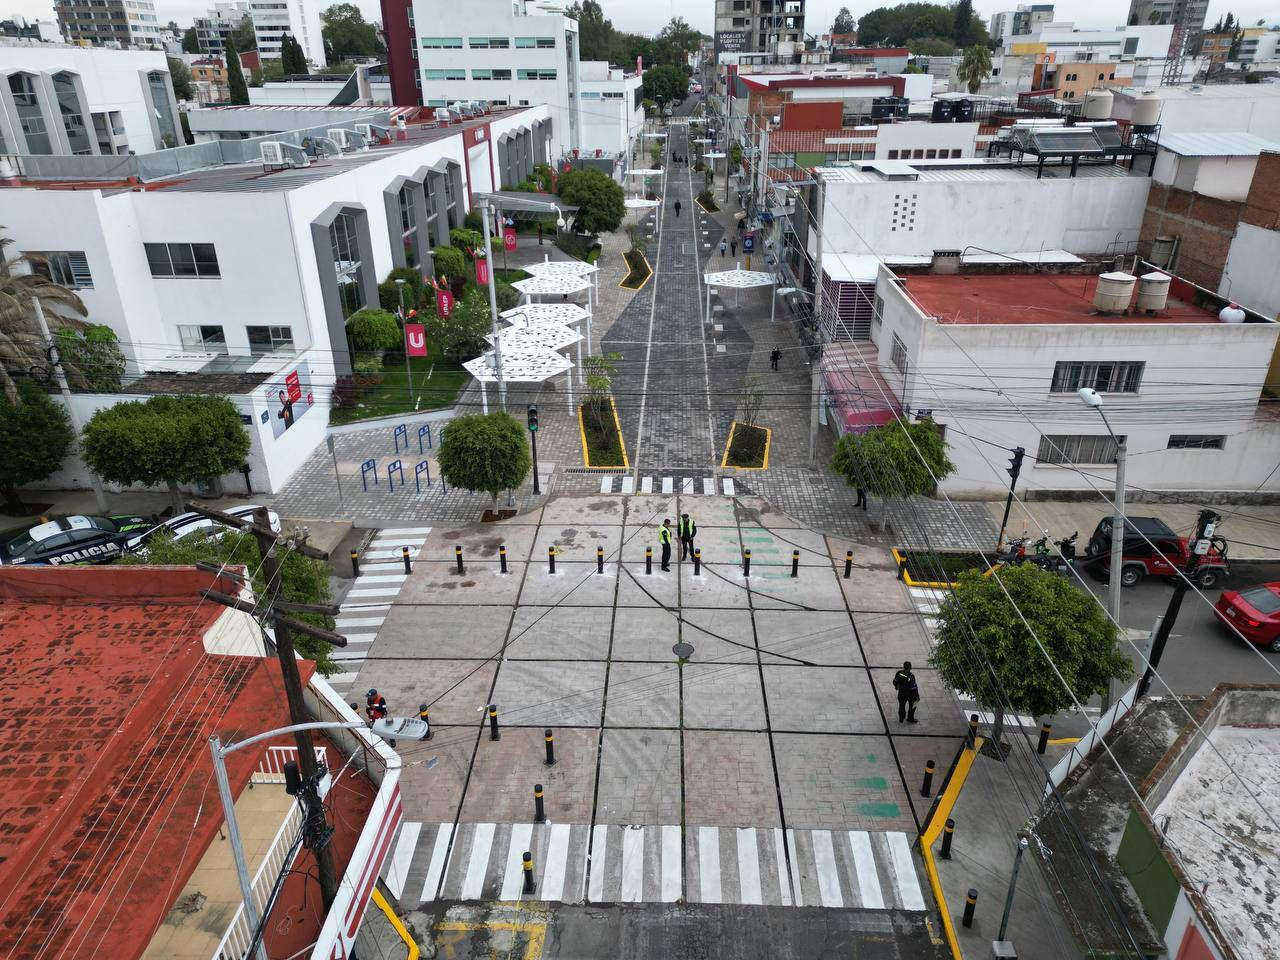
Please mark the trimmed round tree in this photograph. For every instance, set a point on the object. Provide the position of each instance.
(169, 440)
(598, 198)
(896, 460)
(985, 649)
(36, 435)
(485, 452)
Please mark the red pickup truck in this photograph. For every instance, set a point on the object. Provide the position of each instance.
(1152, 549)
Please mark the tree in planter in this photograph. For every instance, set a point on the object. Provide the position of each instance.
(598, 198)
(372, 333)
(35, 434)
(169, 440)
(485, 452)
(600, 372)
(984, 648)
(884, 461)
(302, 580)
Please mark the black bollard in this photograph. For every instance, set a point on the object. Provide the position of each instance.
(970, 904)
(971, 738)
(795, 563)
(551, 747)
(1043, 745)
(926, 788)
(599, 559)
(424, 716)
(648, 560)
(493, 722)
(404, 553)
(457, 557)
(947, 831)
(539, 812)
(848, 564)
(746, 563)
(551, 559)
(502, 557)
(355, 563)
(529, 886)
(697, 561)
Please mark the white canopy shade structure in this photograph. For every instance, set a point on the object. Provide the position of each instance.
(656, 136)
(562, 285)
(639, 203)
(701, 140)
(570, 268)
(714, 155)
(527, 366)
(532, 314)
(739, 280)
(545, 335)
(644, 172)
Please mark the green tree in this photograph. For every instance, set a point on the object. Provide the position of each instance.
(885, 461)
(450, 263)
(374, 331)
(190, 42)
(235, 76)
(665, 83)
(181, 77)
(984, 648)
(92, 358)
(595, 32)
(962, 25)
(22, 345)
(908, 23)
(844, 22)
(486, 453)
(243, 36)
(302, 580)
(600, 373)
(346, 34)
(461, 334)
(933, 47)
(598, 198)
(35, 434)
(975, 67)
(676, 41)
(169, 440)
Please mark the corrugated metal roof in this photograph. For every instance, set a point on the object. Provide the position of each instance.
(1216, 144)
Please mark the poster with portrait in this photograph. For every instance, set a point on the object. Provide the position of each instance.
(288, 398)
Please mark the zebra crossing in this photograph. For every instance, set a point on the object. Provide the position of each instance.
(576, 863)
(687, 486)
(369, 600)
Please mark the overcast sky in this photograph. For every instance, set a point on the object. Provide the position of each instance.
(648, 16)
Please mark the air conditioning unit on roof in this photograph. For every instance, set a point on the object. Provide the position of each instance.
(277, 154)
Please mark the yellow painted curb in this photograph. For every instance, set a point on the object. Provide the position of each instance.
(622, 442)
(933, 830)
(381, 902)
(768, 441)
(622, 282)
(937, 584)
(1065, 740)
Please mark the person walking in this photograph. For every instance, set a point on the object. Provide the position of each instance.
(664, 538)
(904, 681)
(733, 247)
(723, 247)
(862, 498)
(677, 208)
(687, 529)
(774, 358)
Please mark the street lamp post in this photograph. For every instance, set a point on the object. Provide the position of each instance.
(404, 319)
(1090, 398)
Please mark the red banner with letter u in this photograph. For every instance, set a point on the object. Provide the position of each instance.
(444, 302)
(415, 339)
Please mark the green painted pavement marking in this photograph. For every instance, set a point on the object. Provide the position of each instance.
(879, 809)
(874, 783)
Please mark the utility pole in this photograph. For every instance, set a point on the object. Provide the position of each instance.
(1199, 546)
(815, 374)
(1013, 470)
(1008, 900)
(55, 356)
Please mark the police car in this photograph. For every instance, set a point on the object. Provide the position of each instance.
(71, 540)
(189, 524)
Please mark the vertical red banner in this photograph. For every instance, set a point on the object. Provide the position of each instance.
(444, 303)
(415, 339)
(509, 238)
(482, 271)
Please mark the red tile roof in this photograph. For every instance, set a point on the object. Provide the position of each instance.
(106, 704)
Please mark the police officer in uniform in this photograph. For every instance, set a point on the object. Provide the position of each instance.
(687, 530)
(664, 538)
(904, 681)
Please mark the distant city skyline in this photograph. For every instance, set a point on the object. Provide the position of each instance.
(648, 18)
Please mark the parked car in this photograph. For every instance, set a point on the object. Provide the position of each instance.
(1153, 549)
(71, 540)
(1255, 612)
(189, 524)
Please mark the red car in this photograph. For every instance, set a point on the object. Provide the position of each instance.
(1255, 612)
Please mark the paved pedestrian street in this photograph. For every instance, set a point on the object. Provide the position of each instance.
(766, 766)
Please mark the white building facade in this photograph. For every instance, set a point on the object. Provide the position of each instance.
(120, 23)
(610, 108)
(300, 19)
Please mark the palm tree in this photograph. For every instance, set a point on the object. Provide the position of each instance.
(22, 346)
(975, 67)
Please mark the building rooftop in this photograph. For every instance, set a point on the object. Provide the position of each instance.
(1034, 298)
(1207, 91)
(1233, 144)
(967, 169)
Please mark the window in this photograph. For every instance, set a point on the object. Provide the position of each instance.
(202, 338)
(31, 120)
(72, 119)
(269, 339)
(931, 154)
(441, 43)
(345, 246)
(612, 95)
(489, 43)
(535, 43)
(893, 154)
(1103, 377)
(411, 16)
(917, 154)
(458, 74)
(1075, 448)
(490, 74)
(68, 268)
(182, 260)
(1196, 441)
(955, 153)
(537, 74)
(899, 355)
(879, 310)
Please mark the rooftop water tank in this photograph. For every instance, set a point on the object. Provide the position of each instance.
(1231, 313)
(1097, 104)
(1146, 109)
(1114, 292)
(1153, 291)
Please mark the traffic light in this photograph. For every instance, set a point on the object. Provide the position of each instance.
(1015, 463)
(533, 419)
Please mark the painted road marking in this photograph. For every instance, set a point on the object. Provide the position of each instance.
(748, 866)
(599, 841)
(667, 484)
(633, 865)
(824, 858)
(628, 484)
(709, 864)
(473, 885)
(672, 864)
(436, 869)
(864, 868)
(513, 879)
(784, 887)
(904, 872)
(557, 859)
(606, 484)
(709, 486)
(398, 872)
(646, 484)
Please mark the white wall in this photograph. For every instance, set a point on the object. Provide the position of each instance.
(609, 124)
(1227, 178)
(1251, 108)
(1021, 359)
(925, 136)
(1251, 277)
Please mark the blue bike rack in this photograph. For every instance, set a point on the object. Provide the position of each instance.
(424, 430)
(394, 467)
(401, 433)
(418, 471)
(369, 466)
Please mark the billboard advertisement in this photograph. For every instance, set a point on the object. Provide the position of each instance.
(288, 399)
(733, 41)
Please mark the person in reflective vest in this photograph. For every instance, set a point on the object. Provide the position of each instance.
(375, 705)
(664, 538)
(687, 530)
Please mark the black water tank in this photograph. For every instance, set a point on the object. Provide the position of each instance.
(964, 111)
(901, 106)
(879, 108)
(942, 111)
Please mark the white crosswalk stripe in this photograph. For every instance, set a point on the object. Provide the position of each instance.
(574, 863)
(689, 486)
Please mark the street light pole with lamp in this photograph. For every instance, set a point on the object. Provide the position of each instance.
(404, 320)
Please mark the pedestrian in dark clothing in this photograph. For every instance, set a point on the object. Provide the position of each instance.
(733, 247)
(687, 529)
(723, 246)
(904, 681)
(664, 538)
(862, 498)
(774, 358)
(677, 208)
(539, 234)
(375, 706)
